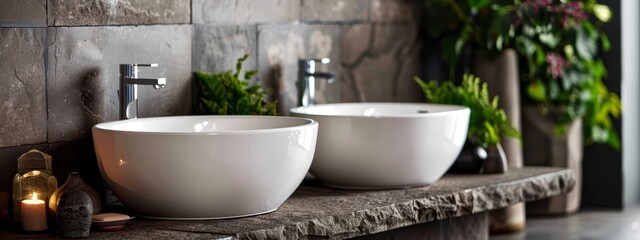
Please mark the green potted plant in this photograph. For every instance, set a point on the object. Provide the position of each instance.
(488, 123)
(556, 43)
(228, 94)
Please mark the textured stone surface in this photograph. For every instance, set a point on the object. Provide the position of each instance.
(119, 12)
(23, 115)
(83, 74)
(379, 62)
(392, 11)
(314, 211)
(216, 48)
(244, 11)
(281, 46)
(334, 10)
(23, 13)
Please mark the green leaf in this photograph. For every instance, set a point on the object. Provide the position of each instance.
(585, 45)
(478, 4)
(537, 91)
(604, 41)
(449, 50)
(602, 12)
(569, 52)
(540, 56)
(554, 89)
(499, 43)
(549, 39)
(570, 77)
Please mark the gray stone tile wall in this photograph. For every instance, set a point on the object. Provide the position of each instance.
(245, 11)
(83, 74)
(378, 63)
(215, 48)
(23, 13)
(120, 12)
(392, 11)
(334, 10)
(23, 117)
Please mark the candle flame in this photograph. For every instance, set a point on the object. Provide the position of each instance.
(34, 196)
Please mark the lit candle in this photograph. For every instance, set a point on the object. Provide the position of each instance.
(33, 214)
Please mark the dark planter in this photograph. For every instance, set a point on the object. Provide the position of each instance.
(543, 147)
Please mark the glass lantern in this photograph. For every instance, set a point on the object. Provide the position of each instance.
(34, 178)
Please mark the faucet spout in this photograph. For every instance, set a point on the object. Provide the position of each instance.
(329, 76)
(146, 81)
(129, 82)
(306, 79)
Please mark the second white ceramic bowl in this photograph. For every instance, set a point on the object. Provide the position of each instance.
(385, 145)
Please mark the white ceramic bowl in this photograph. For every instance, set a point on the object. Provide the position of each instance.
(204, 167)
(385, 145)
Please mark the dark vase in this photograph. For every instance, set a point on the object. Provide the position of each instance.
(74, 214)
(75, 183)
(470, 159)
(496, 160)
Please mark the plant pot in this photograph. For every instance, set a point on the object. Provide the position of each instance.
(496, 161)
(500, 72)
(470, 160)
(543, 147)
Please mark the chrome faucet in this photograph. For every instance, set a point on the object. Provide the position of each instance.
(129, 82)
(306, 79)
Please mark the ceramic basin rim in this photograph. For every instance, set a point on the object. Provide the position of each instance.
(302, 111)
(309, 123)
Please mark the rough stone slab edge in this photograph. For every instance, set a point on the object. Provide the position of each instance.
(428, 209)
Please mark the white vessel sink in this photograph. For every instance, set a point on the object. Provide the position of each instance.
(385, 145)
(204, 167)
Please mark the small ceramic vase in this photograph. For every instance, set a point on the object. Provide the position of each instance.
(75, 211)
(470, 160)
(496, 161)
(75, 183)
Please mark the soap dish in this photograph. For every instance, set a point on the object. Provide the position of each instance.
(110, 221)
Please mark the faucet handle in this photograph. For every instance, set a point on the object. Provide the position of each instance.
(140, 64)
(146, 64)
(317, 60)
(130, 70)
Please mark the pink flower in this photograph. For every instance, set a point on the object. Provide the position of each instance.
(565, 12)
(575, 10)
(572, 10)
(538, 4)
(556, 64)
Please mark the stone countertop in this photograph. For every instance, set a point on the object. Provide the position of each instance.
(315, 211)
